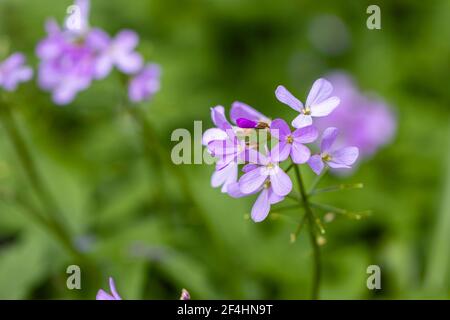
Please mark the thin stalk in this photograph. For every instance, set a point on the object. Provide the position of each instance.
(52, 221)
(339, 187)
(312, 235)
(317, 180)
(349, 214)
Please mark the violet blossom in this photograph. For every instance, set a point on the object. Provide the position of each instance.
(334, 158)
(245, 116)
(267, 178)
(144, 84)
(293, 143)
(363, 121)
(14, 71)
(319, 102)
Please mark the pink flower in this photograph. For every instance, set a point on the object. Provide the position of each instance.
(102, 295)
(319, 103)
(13, 71)
(336, 159)
(145, 84)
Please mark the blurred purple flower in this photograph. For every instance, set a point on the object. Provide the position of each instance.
(102, 295)
(363, 122)
(292, 143)
(119, 52)
(336, 159)
(145, 84)
(14, 71)
(267, 178)
(319, 102)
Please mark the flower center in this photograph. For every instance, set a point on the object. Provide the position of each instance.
(290, 139)
(306, 111)
(326, 157)
(267, 184)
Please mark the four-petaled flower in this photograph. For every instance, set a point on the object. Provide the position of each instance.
(336, 159)
(145, 84)
(266, 177)
(292, 143)
(319, 103)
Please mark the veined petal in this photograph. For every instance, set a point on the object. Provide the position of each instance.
(234, 191)
(300, 153)
(249, 167)
(219, 119)
(112, 287)
(222, 147)
(273, 197)
(252, 181)
(316, 164)
(213, 134)
(328, 138)
(284, 96)
(280, 182)
(242, 110)
(281, 151)
(261, 207)
(346, 156)
(320, 91)
(279, 129)
(306, 134)
(325, 107)
(302, 121)
(225, 176)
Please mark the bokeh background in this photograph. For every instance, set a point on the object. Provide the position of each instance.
(91, 155)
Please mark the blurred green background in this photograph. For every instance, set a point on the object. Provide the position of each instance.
(90, 154)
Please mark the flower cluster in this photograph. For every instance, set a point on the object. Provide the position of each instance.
(72, 57)
(14, 71)
(233, 144)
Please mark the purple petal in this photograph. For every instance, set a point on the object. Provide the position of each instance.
(222, 147)
(225, 176)
(302, 121)
(219, 119)
(102, 295)
(316, 164)
(279, 129)
(284, 96)
(213, 134)
(299, 153)
(261, 207)
(345, 156)
(306, 135)
(127, 40)
(254, 156)
(252, 181)
(103, 66)
(281, 151)
(112, 287)
(273, 197)
(249, 167)
(234, 191)
(246, 123)
(185, 295)
(320, 91)
(328, 138)
(242, 110)
(129, 63)
(280, 182)
(325, 107)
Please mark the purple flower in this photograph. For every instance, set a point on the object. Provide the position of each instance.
(119, 52)
(292, 143)
(245, 116)
(145, 84)
(13, 71)
(365, 122)
(185, 295)
(319, 103)
(267, 178)
(102, 295)
(336, 159)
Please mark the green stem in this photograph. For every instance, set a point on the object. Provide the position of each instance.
(312, 235)
(53, 221)
(339, 187)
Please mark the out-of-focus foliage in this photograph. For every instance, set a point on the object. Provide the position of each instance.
(214, 52)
